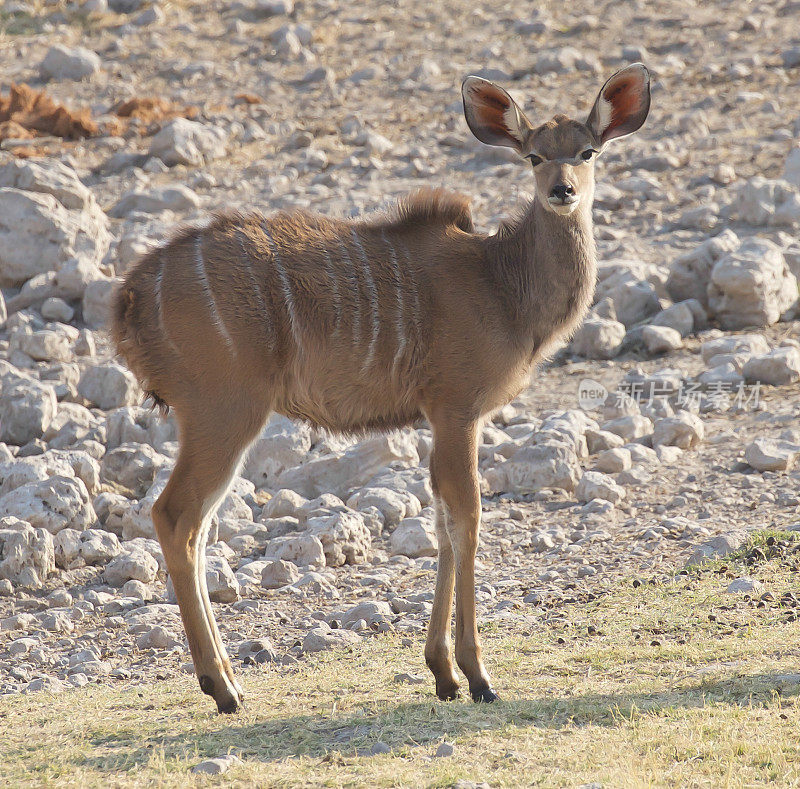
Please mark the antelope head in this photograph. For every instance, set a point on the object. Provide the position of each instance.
(562, 151)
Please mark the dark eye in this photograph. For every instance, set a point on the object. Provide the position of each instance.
(534, 159)
(587, 154)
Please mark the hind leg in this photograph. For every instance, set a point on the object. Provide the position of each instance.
(437, 645)
(210, 454)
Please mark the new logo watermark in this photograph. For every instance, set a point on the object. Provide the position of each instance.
(591, 394)
(719, 395)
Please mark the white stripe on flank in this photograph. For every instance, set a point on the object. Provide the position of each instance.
(256, 289)
(200, 266)
(414, 292)
(373, 296)
(159, 304)
(399, 323)
(157, 292)
(353, 277)
(286, 286)
(337, 297)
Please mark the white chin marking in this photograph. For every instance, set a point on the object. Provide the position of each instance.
(563, 210)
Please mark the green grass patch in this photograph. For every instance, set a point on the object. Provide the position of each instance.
(677, 684)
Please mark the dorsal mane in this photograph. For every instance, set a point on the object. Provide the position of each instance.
(427, 206)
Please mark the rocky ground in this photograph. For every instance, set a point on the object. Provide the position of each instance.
(661, 436)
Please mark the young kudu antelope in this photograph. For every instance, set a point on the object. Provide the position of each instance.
(366, 325)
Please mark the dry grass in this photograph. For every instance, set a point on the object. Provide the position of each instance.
(677, 685)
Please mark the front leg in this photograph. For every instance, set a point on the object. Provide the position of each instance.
(454, 476)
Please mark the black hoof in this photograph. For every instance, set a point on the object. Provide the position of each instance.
(229, 706)
(226, 705)
(484, 694)
(447, 691)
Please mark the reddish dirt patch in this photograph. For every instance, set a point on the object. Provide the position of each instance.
(149, 110)
(247, 98)
(26, 113)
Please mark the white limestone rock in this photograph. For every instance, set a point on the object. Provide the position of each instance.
(44, 345)
(791, 167)
(747, 344)
(371, 611)
(630, 428)
(745, 585)
(661, 339)
(133, 562)
(56, 309)
(778, 367)
(612, 461)
(598, 338)
(766, 454)
(302, 549)
(278, 573)
(718, 547)
(274, 7)
(634, 301)
(27, 555)
(182, 141)
(73, 423)
(679, 317)
(49, 221)
(394, 505)
(284, 502)
(344, 536)
(725, 373)
(154, 200)
(690, 273)
(98, 547)
(66, 545)
(109, 385)
(601, 440)
(282, 444)
(26, 406)
(751, 286)
(223, 586)
(216, 766)
(414, 537)
(139, 425)
(69, 63)
(684, 430)
(763, 201)
(548, 465)
(134, 467)
(21, 471)
(341, 472)
(137, 520)
(595, 485)
(52, 504)
(97, 299)
(322, 638)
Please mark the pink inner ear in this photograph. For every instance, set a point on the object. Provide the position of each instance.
(492, 105)
(625, 99)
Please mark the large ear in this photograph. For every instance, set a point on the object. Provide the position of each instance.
(622, 105)
(492, 115)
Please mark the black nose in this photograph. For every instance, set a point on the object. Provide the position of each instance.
(561, 192)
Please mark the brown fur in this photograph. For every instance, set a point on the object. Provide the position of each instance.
(355, 326)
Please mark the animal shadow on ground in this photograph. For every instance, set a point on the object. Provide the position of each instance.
(421, 723)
